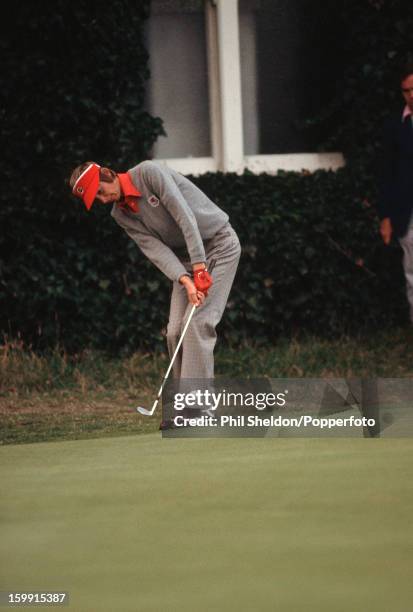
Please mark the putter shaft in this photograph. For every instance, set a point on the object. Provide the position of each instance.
(150, 412)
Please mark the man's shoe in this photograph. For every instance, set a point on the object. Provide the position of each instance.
(166, 424)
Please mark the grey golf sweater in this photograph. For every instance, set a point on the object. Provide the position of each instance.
(174, 215)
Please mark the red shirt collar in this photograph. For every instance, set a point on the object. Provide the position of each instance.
(130, 193)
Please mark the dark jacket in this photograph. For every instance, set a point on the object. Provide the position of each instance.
(396, 174)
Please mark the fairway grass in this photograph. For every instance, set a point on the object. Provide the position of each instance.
(138, 523)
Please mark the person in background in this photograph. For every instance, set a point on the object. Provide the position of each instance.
(396, 180)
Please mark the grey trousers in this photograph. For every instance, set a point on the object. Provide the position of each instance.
(196, 356)
(407, 245)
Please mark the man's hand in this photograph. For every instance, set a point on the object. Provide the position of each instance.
(202, 278)
(386, 230)
(194, 296)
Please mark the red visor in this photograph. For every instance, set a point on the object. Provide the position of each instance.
(87, 185)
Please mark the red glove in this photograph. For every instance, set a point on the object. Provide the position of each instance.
(203, 281)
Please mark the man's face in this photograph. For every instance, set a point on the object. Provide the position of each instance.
(109, 192)
(407, 91)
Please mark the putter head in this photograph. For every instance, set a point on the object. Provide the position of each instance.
(144, 411)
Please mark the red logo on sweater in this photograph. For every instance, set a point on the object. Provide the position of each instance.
(153, 201)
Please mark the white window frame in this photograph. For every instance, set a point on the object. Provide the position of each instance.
(225, 103)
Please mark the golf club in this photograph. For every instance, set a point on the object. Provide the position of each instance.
(150, 412)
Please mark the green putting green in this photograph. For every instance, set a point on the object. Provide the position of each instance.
(141, 523)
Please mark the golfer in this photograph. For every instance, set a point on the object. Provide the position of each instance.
(181, 231)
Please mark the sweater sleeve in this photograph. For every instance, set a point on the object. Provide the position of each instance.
(162, 184)
(157, 252)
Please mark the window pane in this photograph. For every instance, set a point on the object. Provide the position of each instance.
(288, 69)
(178, 88)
